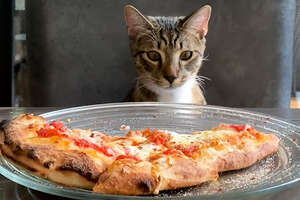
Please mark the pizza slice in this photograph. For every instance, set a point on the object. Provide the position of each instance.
(175, 160)
(140, 163)
(55, 152)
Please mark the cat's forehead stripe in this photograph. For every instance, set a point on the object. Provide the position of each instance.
(162, 37)
(176, 37)
(168, 33)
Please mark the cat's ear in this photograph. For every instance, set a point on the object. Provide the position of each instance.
(135, 21)
(198, 22)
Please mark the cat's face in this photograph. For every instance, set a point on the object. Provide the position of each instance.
(167, 50)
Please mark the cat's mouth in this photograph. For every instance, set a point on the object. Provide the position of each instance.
(163, 84)
(173, 85)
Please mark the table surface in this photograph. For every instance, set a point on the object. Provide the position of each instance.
(7, 188)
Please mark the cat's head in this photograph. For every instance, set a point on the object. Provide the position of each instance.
(167, 51)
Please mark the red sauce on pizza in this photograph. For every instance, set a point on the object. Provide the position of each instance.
(53, 129)
(57, 128)
(157, 137)
(45, 132)
(246, 129)
(238, 128)
(103, 149)
(170, 151)
(59, 125)
(188, 151)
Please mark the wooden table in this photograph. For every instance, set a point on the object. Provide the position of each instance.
(11, 191)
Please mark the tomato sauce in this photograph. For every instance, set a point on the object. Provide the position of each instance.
(57, 128)
(170, 151)
(188, 151)
(157, 137)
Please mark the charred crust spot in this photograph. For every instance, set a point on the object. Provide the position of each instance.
(3, 123)
(31, 154)
(67, 167)
(30, 169)
(7, 141)
(88, 175)
(145, 185)
(48, 164)
(17, 149)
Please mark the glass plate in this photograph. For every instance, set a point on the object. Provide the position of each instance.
(271, 174)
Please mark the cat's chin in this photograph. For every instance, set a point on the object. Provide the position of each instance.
(171, 87)
(158, 88)
(168, 87)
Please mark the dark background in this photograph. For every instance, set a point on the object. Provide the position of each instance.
(6, 49)
(78, 51)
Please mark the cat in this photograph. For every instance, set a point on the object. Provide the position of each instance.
(168, 53)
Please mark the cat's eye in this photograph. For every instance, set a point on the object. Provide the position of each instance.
(153, 55)
(186, 55)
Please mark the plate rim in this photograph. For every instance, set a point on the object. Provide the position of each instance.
(230, 194)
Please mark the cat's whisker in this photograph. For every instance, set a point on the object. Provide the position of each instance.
(205, 58)
(203, 77)
(202, 88)
(201, 81)
(201, 85)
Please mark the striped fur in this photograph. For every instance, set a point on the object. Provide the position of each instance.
(169, 78)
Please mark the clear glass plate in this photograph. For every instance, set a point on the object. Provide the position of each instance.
(271, 174)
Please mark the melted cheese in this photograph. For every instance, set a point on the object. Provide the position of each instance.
(212, 144)
(147, 149)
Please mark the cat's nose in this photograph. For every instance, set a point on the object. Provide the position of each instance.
(170, 78)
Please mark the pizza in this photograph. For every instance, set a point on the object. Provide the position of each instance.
(142, 162)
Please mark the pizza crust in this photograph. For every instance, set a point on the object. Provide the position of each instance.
(128, 177)
(173, 172)
(181, 172)
(71, 168)
(66, 177)
(140, 175)
(243, 159)
(135, 178)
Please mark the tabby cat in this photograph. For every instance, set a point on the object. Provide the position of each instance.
(168, 53)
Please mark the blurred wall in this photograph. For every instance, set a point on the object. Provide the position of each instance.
(78, 51)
